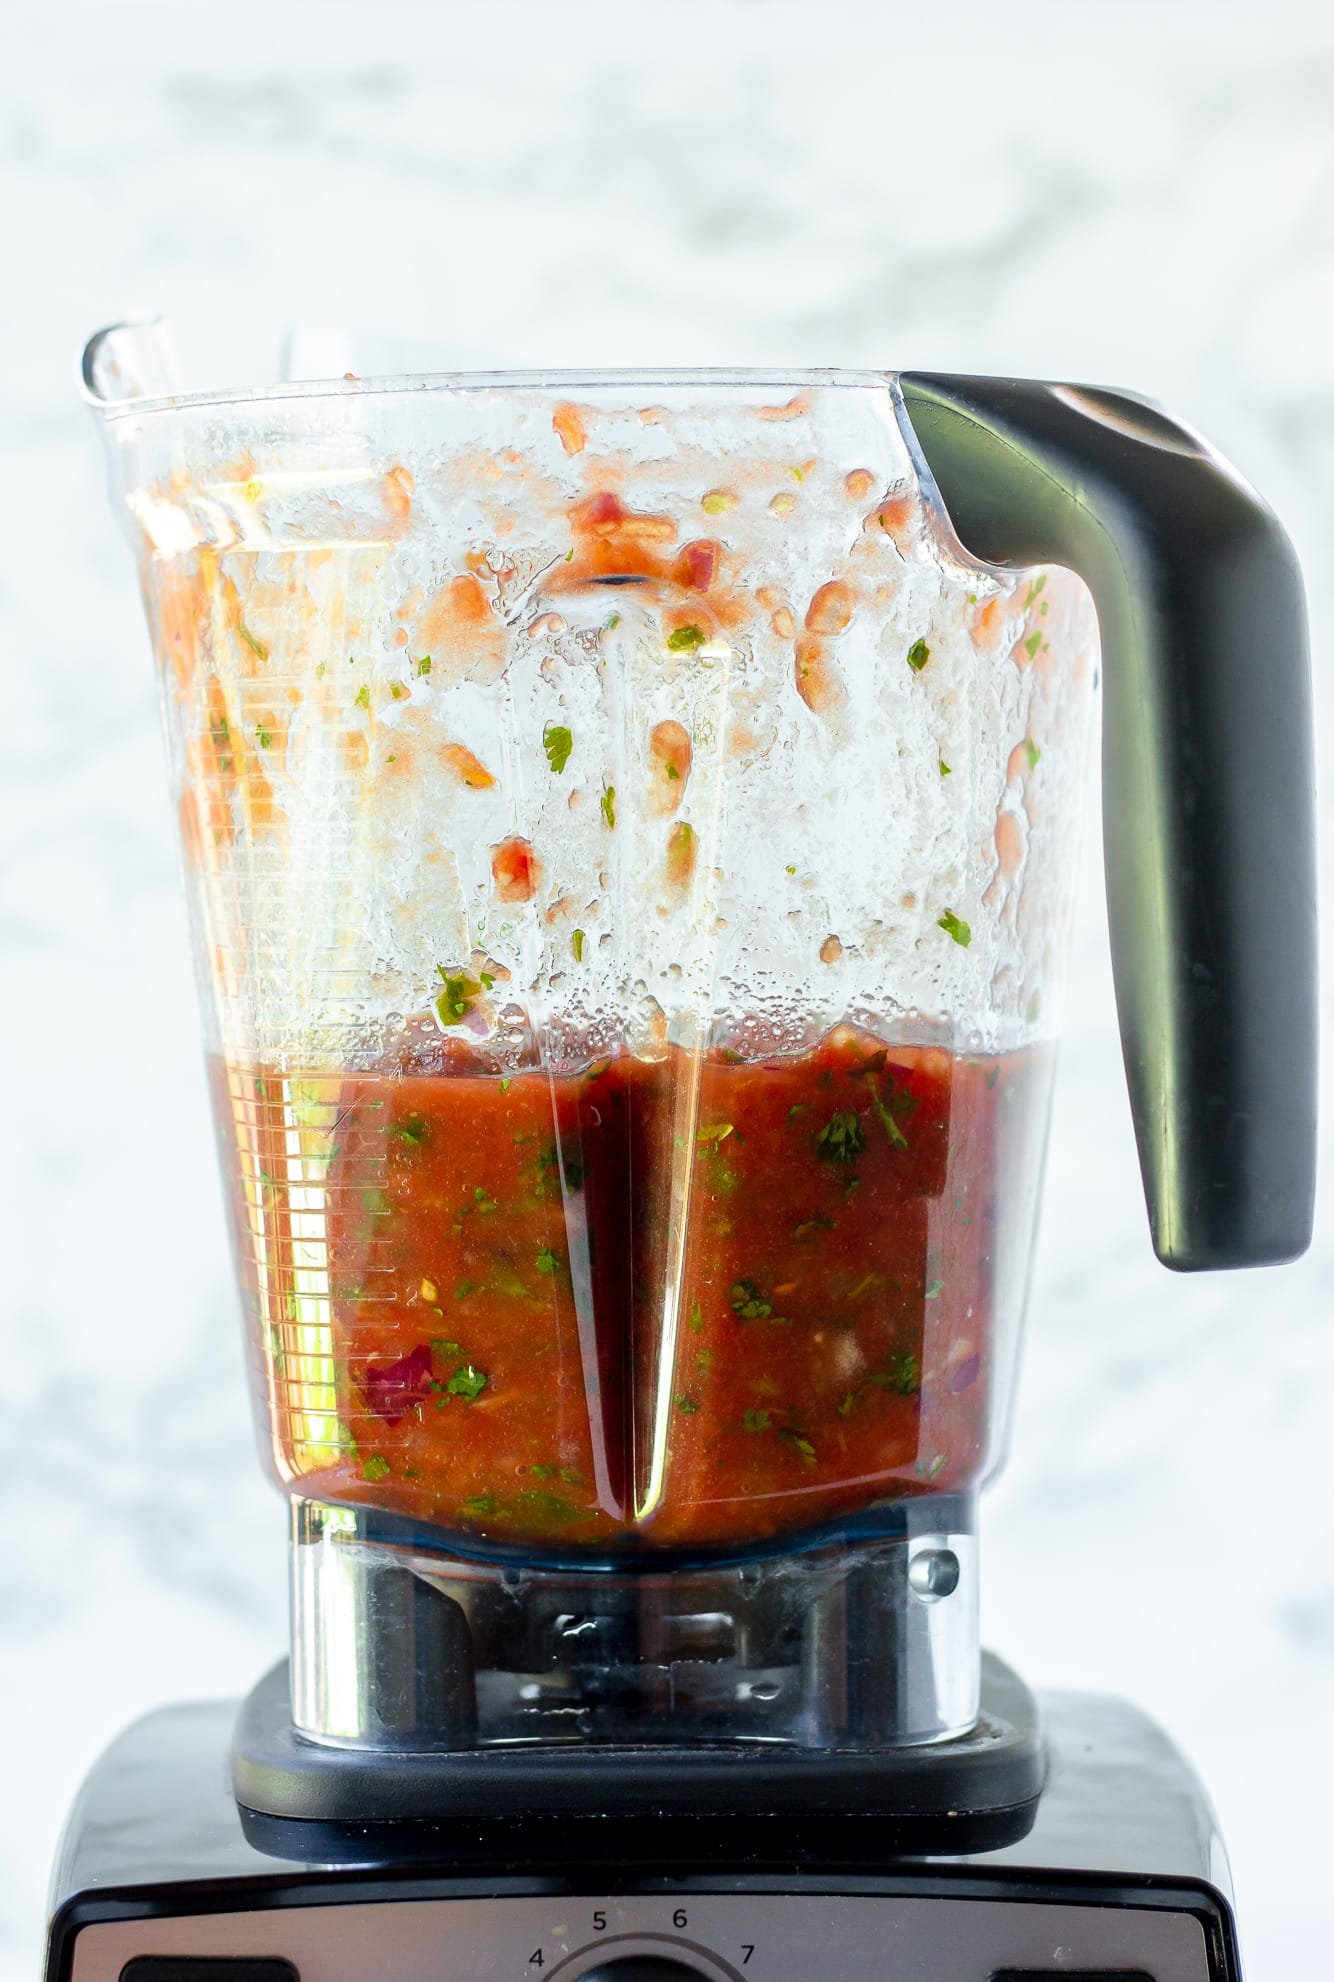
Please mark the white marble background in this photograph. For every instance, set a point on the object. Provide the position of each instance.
(1135, 194)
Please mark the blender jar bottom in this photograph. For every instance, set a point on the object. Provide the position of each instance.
(858, 1643)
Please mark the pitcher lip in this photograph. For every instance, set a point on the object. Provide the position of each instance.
(559, 378)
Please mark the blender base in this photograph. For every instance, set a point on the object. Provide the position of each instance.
(1123, 1874)
(976, 1792)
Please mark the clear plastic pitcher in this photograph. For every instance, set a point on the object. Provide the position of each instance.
(630, 844)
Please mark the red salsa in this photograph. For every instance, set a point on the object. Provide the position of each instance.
(692, 1301)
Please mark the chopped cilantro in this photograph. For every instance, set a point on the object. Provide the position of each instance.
(424, 664)
(480, 1504)
(842, 1139)
(1033, 754)
(543, 1506)
(802, 1446)
(797, 1108)
(1033, 642)
(577, 945)
(263, 737)
(897, 1139)
(756, 1420)
(483, 1199)
(444, 1350)
(376, 1467)
(685, 640)
(748, 1302)
(455, 1001)
(546, 1261)
(609, 804)
(696, 1319)
(558, 742)
(687, 1406)
(902, 1374)
(946, 770)
(362, 698)
(956, 928)
(918, 655)
(613, 621)
(413, 1131)
(569, 555)
(467, 1382)
(714, 1132)
(505, 1083)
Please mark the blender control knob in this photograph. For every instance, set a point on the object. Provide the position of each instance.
(641, 1968)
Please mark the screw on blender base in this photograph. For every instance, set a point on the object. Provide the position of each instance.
(934, 1573)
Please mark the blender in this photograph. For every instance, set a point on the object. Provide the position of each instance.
(630, 827)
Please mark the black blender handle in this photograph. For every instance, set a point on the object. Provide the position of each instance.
(1208, 780)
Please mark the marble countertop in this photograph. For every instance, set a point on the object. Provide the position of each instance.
(1137, 194)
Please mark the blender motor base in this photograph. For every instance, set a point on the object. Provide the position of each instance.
(296, 1797)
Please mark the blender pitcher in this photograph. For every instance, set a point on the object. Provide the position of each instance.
(630, 845)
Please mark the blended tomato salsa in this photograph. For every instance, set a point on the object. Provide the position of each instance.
(691, 1301)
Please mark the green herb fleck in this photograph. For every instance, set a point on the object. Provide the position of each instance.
(687, 1406)
(790, 870)
(467, 1382)
(257, 647)
(696, 1319)
(362, 698)
(264, 737)
(577, 945)
(756, 1420)
(424, 665)
(569, 555)
(685, 640)
(505, 1081)
(897, 1139)
(946, 770)
(749, 1302)
(558, 742)
(918, 655)
(1033, 754)
(546, 1261)
(484, 1201)
(413, 1131)
(612, 623)
(802, 1446)
(842, 1138)
(1033, 642)
(955, 927)
(797, 1108)
(609, 804)
(444, 1350)
(902, 1374)
(714, 1132)
(455, 1001)
(480, 1504)
(377, 1467)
